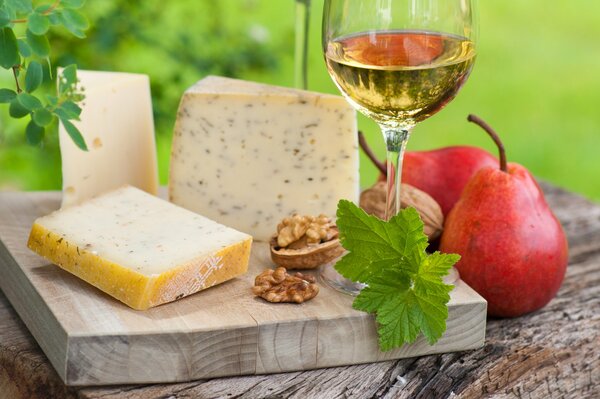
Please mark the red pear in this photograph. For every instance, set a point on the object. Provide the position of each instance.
(441, 173)
(444, 172)
(513, 250)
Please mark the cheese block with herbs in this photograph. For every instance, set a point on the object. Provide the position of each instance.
(140, 249)
(249, 154)
(118, 128)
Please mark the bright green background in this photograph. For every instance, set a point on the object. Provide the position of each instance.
(536, 79)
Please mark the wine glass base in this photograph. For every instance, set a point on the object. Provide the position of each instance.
(339, 283)
(332, 278)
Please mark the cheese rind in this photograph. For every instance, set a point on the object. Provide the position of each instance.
(118, 128)
(139, 249)
(248, 155)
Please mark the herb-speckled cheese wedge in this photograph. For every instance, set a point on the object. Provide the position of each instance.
(247, 154)
(140, 249)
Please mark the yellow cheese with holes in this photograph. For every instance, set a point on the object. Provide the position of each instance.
(140, 249)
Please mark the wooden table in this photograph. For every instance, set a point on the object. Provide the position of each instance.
(554, 352)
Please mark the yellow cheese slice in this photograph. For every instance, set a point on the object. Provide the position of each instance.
(140, 249)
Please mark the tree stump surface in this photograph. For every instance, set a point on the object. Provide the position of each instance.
(554, 352)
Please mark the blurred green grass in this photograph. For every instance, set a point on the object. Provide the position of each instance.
(536, 78)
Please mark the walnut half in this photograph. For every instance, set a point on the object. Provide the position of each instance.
(279, 286)
(305, 242)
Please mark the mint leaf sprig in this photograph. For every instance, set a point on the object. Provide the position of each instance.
(405, 287)
(24, 47)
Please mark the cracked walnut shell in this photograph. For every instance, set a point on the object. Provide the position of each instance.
(279, 286)
(305, 242)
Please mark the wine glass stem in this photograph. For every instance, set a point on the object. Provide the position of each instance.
(395, 141)
(301, 45)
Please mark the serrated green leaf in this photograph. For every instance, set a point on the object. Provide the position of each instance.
(436, 266)
(16, 110)
(72, 3)
(28, 101)
(34, 133)
(381, 289)
(404, 285)
(38, 23)
(379, 244)
(38, 43)
(33, 76)
(24, 48)
(75, 22)
(75, 134)
(42, 117)
(7, 95)
(399, 321)
(9, 51)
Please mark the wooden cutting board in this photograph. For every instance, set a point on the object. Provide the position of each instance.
(92, 339)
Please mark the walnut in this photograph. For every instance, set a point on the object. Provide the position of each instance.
(305, 242)
(294, 228)
(372, 200)
(279, 286)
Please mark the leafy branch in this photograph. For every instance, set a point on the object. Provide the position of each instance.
(24, 46)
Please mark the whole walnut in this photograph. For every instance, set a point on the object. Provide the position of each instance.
(372, 201)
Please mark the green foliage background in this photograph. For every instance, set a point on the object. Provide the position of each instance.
(536, 78)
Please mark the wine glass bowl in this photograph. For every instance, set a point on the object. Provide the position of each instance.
(398, 62)
(399, 77)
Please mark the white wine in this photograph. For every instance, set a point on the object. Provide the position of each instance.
(400, 76)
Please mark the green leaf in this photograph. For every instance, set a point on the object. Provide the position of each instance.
(28, 101)
(4, 18)
(24, 48)
(70, 74)
(38, 43)
(34, 133)
(75, 22)
(7, 95)
(38, 24)
(381, 289)
(33, 76)
(23, 6)
(9, 52)
(72, 3)
(51, 100)
(43, 117)
(375, 244)
(16, 110)
(55, 18)
(44, 8)
(75, 134)
(72, 109)
(404, 285)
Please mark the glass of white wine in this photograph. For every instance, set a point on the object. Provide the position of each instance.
(398, 62)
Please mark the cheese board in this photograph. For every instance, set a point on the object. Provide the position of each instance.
(92, 339)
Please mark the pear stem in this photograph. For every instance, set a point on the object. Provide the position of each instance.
(369, 153)
(478, 121)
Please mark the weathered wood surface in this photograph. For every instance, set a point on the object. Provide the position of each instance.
(554, 352)
(91, 339)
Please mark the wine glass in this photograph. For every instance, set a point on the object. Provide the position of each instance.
(398, 62)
